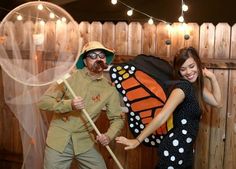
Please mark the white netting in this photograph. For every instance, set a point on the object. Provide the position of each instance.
(32, 40)
(38, 45)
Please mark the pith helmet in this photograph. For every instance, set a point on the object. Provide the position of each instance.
(92, 46)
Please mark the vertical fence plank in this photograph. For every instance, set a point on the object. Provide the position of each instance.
(61, 36)
(121, 40)
(8, 143)
(148, 39)
(72, 37)
(177, 38)
(96, 31)
(163, 33)
(29, 26)
(39, 30)
(121, 47)
(50, 36)
(8, 29)
(108, 35)
(133, 159)
(12, 141)
(230, 142)
(19, 33)
(84, 32)
(2, 102)
(134, 39)
(222, 46)
(207, 39)
(206, 50)
(192, 29)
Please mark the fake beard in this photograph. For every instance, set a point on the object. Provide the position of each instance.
(99, 66)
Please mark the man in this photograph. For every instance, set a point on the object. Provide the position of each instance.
(69, 135)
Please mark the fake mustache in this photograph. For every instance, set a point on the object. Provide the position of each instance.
(99, 66)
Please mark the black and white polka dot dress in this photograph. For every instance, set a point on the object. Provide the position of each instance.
(176, 149)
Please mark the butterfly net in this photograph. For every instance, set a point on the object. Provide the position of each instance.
(38, 45)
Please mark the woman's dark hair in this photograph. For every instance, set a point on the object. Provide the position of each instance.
(181, 56)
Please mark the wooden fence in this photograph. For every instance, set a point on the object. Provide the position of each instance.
(216, 143)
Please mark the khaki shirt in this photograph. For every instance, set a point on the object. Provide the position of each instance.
(97, 94)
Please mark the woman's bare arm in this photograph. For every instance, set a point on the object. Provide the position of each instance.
(175, 98)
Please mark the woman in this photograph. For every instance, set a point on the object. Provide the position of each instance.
(186, 102)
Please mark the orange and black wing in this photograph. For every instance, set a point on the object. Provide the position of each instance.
(144, 97)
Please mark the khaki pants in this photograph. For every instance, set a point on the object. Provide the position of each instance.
(88, 160)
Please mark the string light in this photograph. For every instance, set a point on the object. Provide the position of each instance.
(40, 7)
(51, 15)
(63, 19)
(131, 10)
(114, 2)
(150, 21)
(19, 17)
(181, 19)
(184, 8)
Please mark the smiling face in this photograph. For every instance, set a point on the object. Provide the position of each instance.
(189, 70)
(187, 65)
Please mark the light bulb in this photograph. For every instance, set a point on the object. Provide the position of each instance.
(63, 19)
(181, 19)
(19, 17)
(130, 12)
(52, 15)
(40, 7)
(185, 7)
(150, 21)
(114, 2)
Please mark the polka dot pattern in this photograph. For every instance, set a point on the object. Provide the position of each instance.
(184, 121)
(180, 162)
(175, 150)
(184, 131)
(175, 143)
(181, 150)
(172, 158)
(166, 153)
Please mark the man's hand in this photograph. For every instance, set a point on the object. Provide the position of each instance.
(103, 139)
(77, 103)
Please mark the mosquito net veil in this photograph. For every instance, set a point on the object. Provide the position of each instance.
(38, 45)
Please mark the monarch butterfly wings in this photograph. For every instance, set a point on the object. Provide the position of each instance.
(143, 94)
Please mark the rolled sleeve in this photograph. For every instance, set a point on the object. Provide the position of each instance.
(53, 100)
